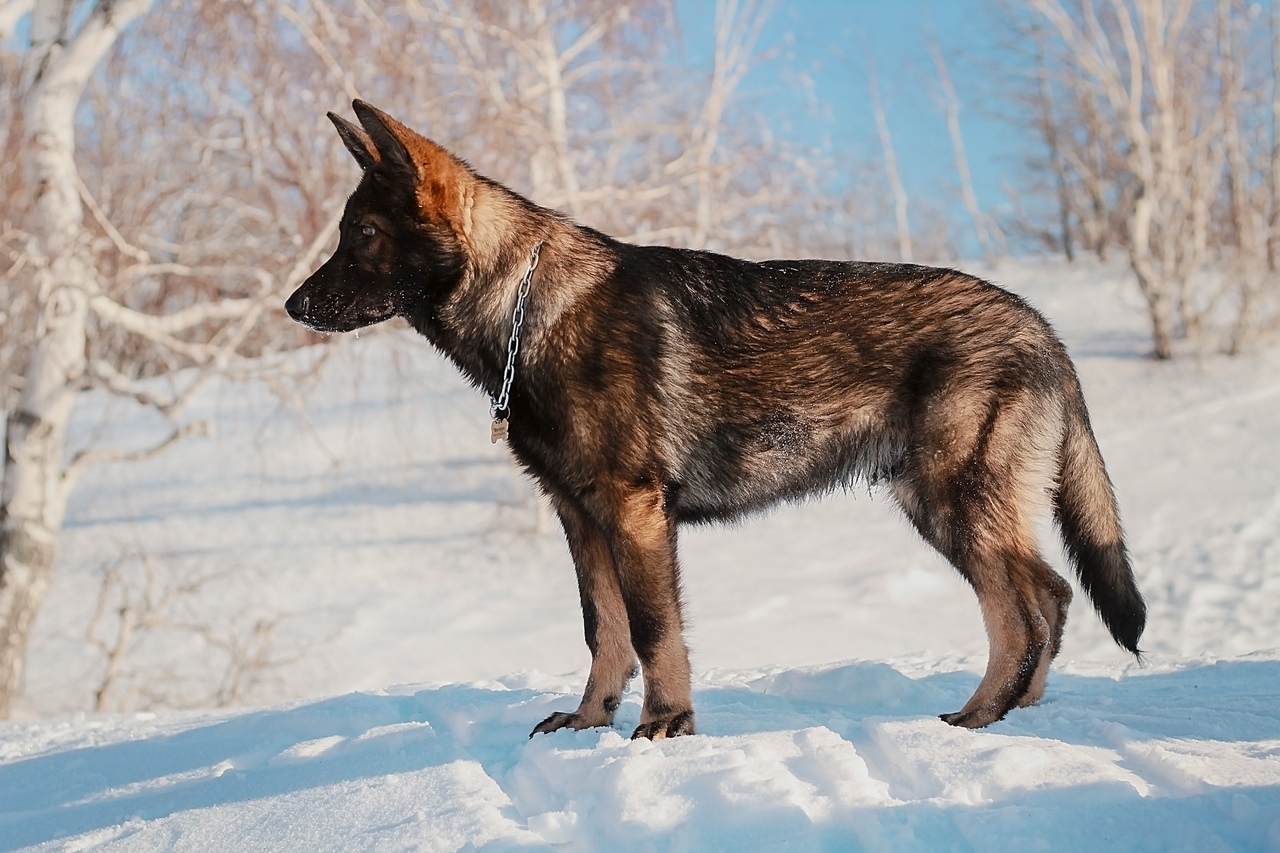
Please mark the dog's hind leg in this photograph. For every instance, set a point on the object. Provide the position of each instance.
(1019, 638)
(1054, 594)
(974, 492)
(604, 618)
(643, 540)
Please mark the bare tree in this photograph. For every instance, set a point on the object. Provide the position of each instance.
(905, 253)
(59, 63)
(1273, 221)
(1162, 142)
(1246, 234)
(1143, 65)
(108, 311)
(577, 104)
(1049, 130)
(737, 32)
(990, 238)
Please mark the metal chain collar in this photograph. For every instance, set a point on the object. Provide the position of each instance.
(498, 406)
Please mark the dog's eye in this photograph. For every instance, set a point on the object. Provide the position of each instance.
(367, 230)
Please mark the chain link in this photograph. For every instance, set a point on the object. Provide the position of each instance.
(498, 407)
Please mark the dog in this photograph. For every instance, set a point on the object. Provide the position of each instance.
(645, 387)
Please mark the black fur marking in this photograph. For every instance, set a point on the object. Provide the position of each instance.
(647, 627)
(1125, 615)
(590, 619)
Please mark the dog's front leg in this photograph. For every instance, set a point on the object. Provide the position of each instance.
(643, 541)
(604, 617)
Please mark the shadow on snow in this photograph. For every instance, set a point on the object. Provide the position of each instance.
(246, 757)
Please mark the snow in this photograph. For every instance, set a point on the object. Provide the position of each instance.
(426, 618)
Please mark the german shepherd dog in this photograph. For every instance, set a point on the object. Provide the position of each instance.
(646, 386)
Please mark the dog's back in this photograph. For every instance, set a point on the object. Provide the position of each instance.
(754, 382)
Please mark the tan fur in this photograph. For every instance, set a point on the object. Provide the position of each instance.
(644, 552)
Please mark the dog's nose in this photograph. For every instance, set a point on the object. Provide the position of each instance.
(298, 305)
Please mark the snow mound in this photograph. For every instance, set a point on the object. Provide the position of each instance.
(820, 758)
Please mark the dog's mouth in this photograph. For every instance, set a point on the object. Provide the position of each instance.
(308, 311)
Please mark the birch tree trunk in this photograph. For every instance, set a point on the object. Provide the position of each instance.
(891, 169)
(990, 239)
(1273, 220)
(1248, 217)
(34, 500)
(1050, 130)
(12, 11)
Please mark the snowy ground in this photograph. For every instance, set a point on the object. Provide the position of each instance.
(384, 541)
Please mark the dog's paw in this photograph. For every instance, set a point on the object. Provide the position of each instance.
(562, 720)
(975, 719)
(680, 724)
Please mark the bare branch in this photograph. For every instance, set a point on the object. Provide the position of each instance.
(85, 458)
(318, 45)
(161, 328)
(80, 53)
(100, 217)
(117, 649)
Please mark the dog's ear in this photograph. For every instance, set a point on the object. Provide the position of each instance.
(356, 140)
(441, 181)
(389, 138)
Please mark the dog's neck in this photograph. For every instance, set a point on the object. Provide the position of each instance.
(502, 228)
(499, 406)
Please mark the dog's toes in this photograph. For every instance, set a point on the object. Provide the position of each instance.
(680, 724)
(975, 719)
(560, 720)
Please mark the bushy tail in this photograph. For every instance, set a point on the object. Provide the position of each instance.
(1086, 512)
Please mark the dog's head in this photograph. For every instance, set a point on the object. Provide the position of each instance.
(399, 245)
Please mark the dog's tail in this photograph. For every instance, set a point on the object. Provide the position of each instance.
(1086, 512)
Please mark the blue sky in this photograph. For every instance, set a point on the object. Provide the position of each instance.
(829, 42)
